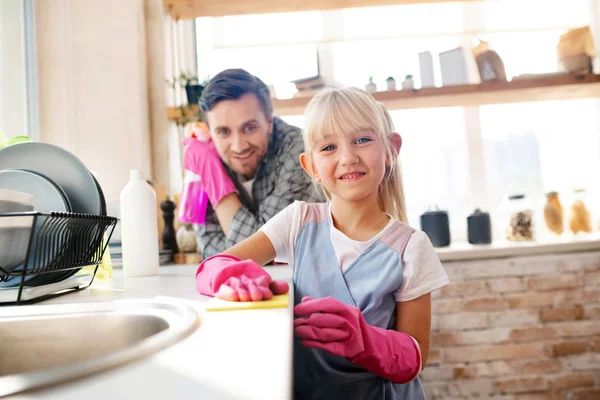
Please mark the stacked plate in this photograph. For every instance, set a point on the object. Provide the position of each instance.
(58, 181)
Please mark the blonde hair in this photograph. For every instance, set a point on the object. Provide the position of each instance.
(351, 110)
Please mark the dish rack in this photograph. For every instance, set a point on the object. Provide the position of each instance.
(59, 244)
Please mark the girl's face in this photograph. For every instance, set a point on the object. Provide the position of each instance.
(351, 166)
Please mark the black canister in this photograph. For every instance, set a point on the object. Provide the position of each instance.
(436, 225)
(479, 227)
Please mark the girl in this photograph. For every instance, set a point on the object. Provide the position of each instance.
(362, 277)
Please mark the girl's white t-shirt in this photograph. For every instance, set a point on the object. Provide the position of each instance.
(421, 267)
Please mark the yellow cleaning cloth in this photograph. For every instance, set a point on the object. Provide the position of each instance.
(279, 301)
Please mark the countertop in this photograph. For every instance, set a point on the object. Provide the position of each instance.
(504, 249)
(233, 354)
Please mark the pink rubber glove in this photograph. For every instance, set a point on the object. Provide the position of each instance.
(340, 329)
(230, 278)
(203, 159)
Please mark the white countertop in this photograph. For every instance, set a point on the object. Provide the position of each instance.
(233, 354)
(503, 249)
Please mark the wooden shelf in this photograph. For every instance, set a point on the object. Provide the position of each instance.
(174, 113)
(517, 91)
(190, 9)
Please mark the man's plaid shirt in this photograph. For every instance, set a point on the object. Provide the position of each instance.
(279, 180)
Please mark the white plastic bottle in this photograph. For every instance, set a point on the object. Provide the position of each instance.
(139, 230)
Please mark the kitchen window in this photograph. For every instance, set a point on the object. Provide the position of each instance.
(529, 148)
(18, 107)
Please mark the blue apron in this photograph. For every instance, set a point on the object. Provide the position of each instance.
(369, 283)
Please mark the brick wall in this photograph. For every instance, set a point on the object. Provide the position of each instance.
(524, 328)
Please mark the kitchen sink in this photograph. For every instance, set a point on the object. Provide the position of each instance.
(46, 345)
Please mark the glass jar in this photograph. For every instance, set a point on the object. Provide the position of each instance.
(553, 214)
(580, 220)
(519, 226)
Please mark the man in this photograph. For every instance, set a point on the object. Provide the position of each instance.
(250, 169)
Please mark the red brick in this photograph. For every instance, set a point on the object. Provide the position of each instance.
(596, 344)
(555, 314)
(572, 381)
(477, 388)
(537, 366)
(530, 300)
(521, 384)
(585, 394)
(491, 369)
(533, 334)
(534, 396)
(437, 373)
(586, 295)
(446, 338)
(435, 357)
(435, 323)
(578, 328)
(589, 361)
(461, 289)
(485, 304)
(567, 348)
(446, 306)
(485, 336)
(592, 279)
(591, 311)
(487, 353)
(507, 285)
(466, 372)
(513, 318)
(462, 321)
(485, 269)
(548, 283)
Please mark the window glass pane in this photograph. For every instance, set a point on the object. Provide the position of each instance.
(295, 120)
(354, 62)
(260, 29)
(434, 162)
(415, 19)
(526, 52)
(529, 14)
(534, 148)
(12, 70)
(272, 64)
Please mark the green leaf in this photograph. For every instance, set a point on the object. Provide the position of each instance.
(18, 139)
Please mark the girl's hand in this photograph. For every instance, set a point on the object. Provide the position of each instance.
(340, 329)
(228, 277)
(330, 325)
(245, 288)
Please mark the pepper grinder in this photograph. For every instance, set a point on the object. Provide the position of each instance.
(169, 237)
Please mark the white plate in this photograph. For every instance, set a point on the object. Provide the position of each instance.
(47, 196)
(61, 167)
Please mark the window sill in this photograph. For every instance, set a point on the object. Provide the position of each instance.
(466, 251)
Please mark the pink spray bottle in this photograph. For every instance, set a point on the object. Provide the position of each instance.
(193, 200)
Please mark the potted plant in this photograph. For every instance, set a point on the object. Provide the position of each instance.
(371, 87)
(408, 82)
(193, 88)
(391, 83)
(4, 142)
(191, 84)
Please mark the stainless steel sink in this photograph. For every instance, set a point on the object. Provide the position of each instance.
(50, 344)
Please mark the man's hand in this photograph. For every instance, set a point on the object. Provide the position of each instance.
(204, 160)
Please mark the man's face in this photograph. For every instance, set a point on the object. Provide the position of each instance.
(240, 131)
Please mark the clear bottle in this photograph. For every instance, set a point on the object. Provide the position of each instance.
(139, 228)
(520, 223)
